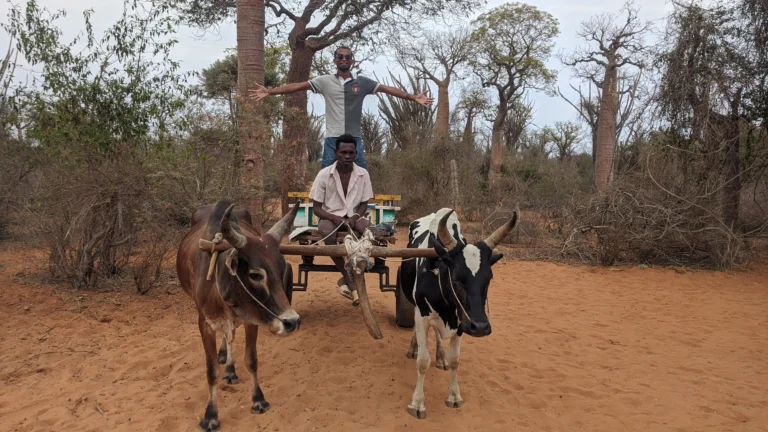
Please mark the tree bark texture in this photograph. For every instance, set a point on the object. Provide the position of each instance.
(295, 123)
(443, 123)
(252, 129)
(605, 145)
(497, 143)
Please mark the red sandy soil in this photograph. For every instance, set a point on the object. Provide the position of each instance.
(573, 349)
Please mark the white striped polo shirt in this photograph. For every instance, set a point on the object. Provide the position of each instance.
(343, 102)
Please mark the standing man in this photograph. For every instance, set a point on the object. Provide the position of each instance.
(344, 95)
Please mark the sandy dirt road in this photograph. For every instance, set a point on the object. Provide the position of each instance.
(573, 349)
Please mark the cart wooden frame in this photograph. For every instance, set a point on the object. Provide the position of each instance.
(381, 210)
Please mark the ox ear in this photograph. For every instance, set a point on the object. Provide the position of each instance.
(495, 258)
(231, 262)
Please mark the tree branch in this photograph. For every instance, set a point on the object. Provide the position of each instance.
(334, 36)
(332, 12)
(279, 9)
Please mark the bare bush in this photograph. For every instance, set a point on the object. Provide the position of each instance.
(95, 217)
(655, 217)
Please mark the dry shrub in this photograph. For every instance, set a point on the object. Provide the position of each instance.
(99, 215)
(116, 215)
(17, 170)
(541, 188)
(200, 167)
(661, 214)
(422, 176)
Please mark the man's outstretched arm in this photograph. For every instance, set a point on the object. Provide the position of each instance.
(420, 98)
(260, 92)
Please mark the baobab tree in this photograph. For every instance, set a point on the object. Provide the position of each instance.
(473, 104)
(564, 136)
(511, 43)
(629, 102)
(436, 55)
(610, 47)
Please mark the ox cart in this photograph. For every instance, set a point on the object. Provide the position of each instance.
(381, 212)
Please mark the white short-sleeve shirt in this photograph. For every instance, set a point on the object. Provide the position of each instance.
(328, 190)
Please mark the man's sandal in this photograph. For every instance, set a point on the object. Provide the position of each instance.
(344, 289)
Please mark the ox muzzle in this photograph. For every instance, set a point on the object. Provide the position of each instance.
(287, 323)
(476, 327)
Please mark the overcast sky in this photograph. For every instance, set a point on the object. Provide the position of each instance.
(195, 52)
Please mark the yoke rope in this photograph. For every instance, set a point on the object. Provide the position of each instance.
(358, 250)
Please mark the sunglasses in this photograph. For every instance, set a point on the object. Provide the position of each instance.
(344, 57)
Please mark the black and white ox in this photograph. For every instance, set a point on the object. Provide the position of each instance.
(449, 294)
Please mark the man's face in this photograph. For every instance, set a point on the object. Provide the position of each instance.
(346, 154)
(343, 59)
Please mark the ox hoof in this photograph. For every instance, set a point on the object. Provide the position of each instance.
(260, 407)
(453, 402)
(210, 425)
(420, 414)
(442, 364)
(412, 355)
(230, 377)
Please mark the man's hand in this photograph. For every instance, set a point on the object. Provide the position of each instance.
(423, 100)
(259, 93)
(352, 220)
(338, 219)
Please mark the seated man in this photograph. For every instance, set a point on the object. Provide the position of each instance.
(340, 195)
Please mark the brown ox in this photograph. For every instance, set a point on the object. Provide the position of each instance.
(247, 287)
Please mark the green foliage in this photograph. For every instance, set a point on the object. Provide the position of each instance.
(512, 42)
(564, 136)
(219, 80)
(123, 87)
(373, 134)
(409, 124)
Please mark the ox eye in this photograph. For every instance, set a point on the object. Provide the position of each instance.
(256, 277)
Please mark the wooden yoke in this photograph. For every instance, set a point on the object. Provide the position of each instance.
(331, 250)
(357, 270)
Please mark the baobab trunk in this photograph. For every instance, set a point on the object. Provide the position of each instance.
(467, 137)
(605, 145)
(295, 123)
(497, 145)
(443, 124)
(252, 130)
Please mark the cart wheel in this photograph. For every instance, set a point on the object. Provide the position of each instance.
(288, 282)
(404, 310)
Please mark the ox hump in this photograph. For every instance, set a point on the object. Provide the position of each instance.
(425, 227)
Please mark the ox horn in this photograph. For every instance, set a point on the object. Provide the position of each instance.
(283, 226)
(443, 234)
(233, 237)
(502, 232)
